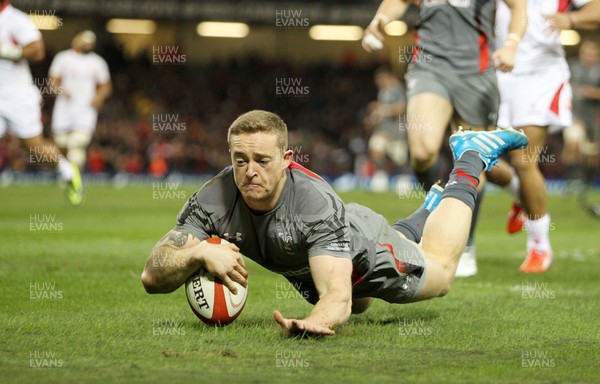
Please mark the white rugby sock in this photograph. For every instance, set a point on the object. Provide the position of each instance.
(537, 233)
(64, 168)
(514, 186)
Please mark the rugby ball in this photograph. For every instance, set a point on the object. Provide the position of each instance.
(210, 300)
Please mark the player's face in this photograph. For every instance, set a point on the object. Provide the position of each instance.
(259, 168)
(87, 48)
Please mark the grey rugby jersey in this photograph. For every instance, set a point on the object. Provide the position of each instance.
(455, 35)
(309, 220)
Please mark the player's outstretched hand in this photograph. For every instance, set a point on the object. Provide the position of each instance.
(227, 264)
(300, 327)
(504, 58)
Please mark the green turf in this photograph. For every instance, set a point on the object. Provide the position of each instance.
(93, 321)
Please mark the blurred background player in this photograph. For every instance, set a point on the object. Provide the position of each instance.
(451, 80)
(387, 140)
(82, 81)
(582, 138)
(20, 99)
(535, 97)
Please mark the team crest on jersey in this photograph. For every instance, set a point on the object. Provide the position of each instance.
(287, 241)
(286, 237)
(460, 3)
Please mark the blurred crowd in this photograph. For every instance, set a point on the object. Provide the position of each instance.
(164, 119)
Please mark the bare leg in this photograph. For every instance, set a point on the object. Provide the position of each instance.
(501, 174)
(534, 198)
(467, 264)
(446, 229)
(46, 149)
(428, 118)
(78, 141)
(443, 243)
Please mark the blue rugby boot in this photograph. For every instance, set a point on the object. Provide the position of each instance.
(489, 144)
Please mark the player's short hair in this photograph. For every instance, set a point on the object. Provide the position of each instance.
(260, 121)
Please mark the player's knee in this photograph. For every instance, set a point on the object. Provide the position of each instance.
(35, 141)
(422, 159)
(77, 156)
(445, 281)
(445, 288)
(523, 166)
(438, 288)
(448, 271)
(361, 305)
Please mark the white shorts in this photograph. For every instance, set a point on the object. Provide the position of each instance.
(396, 149)
(20, 114)
(542, 98)
(68, 115)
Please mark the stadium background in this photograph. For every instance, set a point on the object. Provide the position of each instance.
(72, 307)
(175, 92)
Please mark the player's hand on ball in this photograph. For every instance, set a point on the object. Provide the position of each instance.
(301, 327)
(504, 58)
(226, 263)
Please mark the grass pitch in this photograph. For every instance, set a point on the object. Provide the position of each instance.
(73, 308)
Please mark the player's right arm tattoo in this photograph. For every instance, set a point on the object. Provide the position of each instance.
(175, 239)
(171, 261)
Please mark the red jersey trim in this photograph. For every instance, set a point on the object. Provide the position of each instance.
(400, 266)
(415, 51)
(554, 104)
(294, 165)
(563, 5)
(484, 52)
